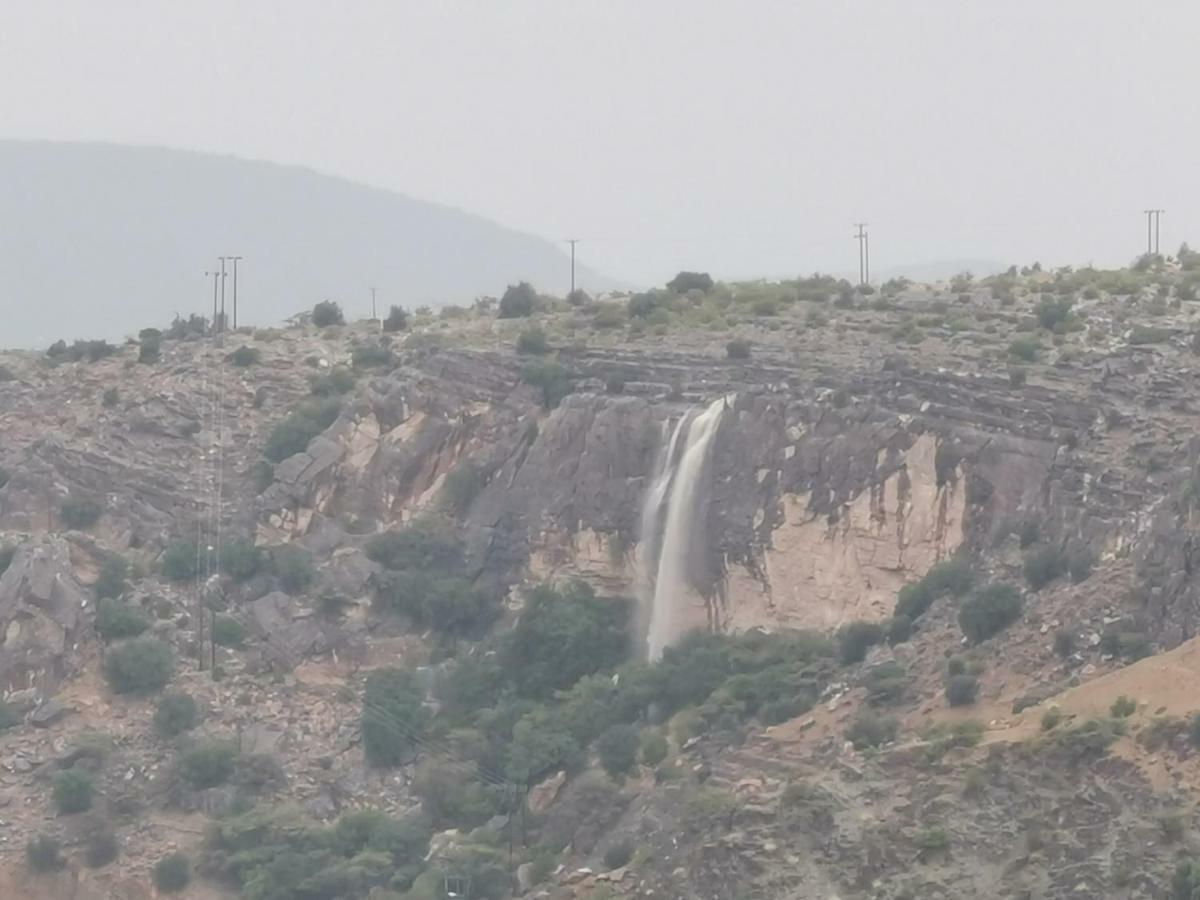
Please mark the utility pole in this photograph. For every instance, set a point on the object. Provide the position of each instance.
(572, 242)
(863, 258)
(235, 262)
(1152, 217)
(222, 259)
(373, 315)
(214, 275)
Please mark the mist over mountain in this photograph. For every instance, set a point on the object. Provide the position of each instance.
(99, 240)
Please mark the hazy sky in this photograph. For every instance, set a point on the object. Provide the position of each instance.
(744, 138)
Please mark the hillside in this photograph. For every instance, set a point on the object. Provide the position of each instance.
(921, 559)
(111, 238)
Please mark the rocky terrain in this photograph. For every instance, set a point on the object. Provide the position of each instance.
(883, 460)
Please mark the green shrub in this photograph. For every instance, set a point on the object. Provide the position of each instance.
(111, 580)
(8, 717)
(961, 690)
(738, 348)
(338, 380)
(228, 631)
(111, 398)
(7, 552)
(243, 357)
(241, 558)
(562, 635)
(690, 281)
(462, 484)
(102, 848)
(1016, 376)
(618, 747)
(533, 341)
(327, 313)
(654, 747)
(300, 426)
(115, 619)
(989, 611)
(393, 716)
(73, 791)
(449, 794)
(609, 315)
(178, 561)
(950, 578)
(550, 377)
(1080, 565)
(1024, 348)
(449, 604)
(1043, 566)
(518, 301)
(80, 513)
(1051, 718)
(1123, 707)
(263, 474)
(293, 566)
(869, 729)
(150, 345)
(886, 683)
(619, 854)
(175, 713)
(1064, 642)
(369, 356)
(898, 629)
(44, 854)
(1148, 334)
(208, 764)
(397, 319)
(142, 665)
(172, 873)
(1029, 532)
(856, 638)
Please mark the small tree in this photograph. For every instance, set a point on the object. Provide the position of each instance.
(115, 619)
(150, 345)
(73, 790)
(176, 713)
(293, 566)
(856, 638)
(690, 281)
(989, 611)
(102, 847)
(654, 747)
(244, 357)
(617, 747)
(327, 313)
(397, 319)
(228, 632)
(533, 341)
(961, 690)
(139, 666)
(208, 764)
(392, 717)
(111, 580)
(738, 348)
(518, 301)
(178, 562)
(44, 854)
(869, 729)
(172, 873)
(80, 512)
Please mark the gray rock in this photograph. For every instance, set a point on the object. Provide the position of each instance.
(51, 711)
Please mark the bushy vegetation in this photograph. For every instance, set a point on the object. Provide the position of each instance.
(397, 319)
(463, 483)
(7, 552)
(338, 380)
(172, 873)
(115, 619)
(690, 281)
(178, 561)
(427, 581)
(327, 313)
(244, 357)
(856, 638)
(80, 512)
(518, 301)
(228, 631)
(241, 558)
(102, 848)
(1123, 707)
(293, 566)
(142, 665)
(1044, 565)
(886, 683)
(44, 854)
(551, 377)
(870, 729)
(175, 713)
(370, 356)
(1024, 348)
(618, 747)
(8, 717)
(92, 351)
(208, 764)
(278, 855)
(73, 791)
(738, 348)
(111, 580)
(962, 689)
(950, 578)
(149, 345)
(533, 341)
(308, 419)
(989, 611)
(392, 717)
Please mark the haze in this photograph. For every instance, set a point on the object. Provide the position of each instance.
(739, 138)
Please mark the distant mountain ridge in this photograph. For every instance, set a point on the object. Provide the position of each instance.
(99, 240)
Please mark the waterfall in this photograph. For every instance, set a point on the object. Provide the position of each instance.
(665, 561)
